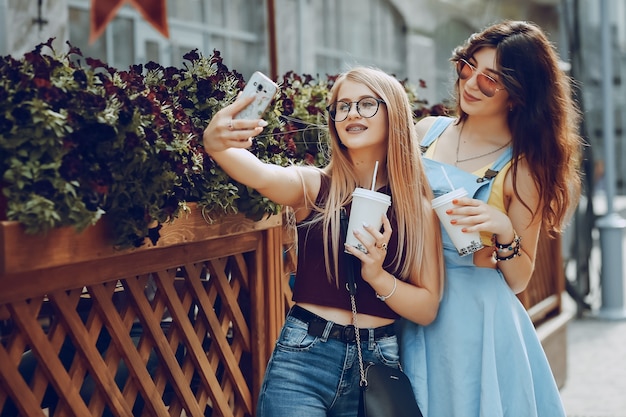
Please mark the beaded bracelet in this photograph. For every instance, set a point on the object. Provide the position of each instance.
(384, 297)
(516, 252)
(514, 246)
(509, 246)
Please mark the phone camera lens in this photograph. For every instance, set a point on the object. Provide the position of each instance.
(259, 87)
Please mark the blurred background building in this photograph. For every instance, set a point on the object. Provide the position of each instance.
(412, 39)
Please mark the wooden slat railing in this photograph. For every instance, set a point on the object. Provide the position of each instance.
(542, 296)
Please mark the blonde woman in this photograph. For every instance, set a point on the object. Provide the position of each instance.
(314, 368)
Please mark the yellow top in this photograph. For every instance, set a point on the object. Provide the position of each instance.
(496, 197)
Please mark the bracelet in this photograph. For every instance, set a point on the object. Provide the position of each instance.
(384, 297)
(509, 246)
(515, 246)
(506, 258)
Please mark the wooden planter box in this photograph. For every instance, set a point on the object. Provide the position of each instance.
(184, 327)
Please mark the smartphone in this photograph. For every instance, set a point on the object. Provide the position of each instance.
(263, 89)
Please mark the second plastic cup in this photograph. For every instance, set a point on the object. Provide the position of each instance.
(465, 243)
(367, 207)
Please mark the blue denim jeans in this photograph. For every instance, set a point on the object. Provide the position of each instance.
(317, 377)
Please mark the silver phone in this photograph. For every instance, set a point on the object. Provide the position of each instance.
(263, 89)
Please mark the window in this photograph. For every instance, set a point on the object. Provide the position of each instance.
(372, 33)
(236, 28)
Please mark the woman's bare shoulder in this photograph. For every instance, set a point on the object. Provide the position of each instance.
(422, 125)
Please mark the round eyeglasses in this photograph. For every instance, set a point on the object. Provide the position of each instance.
(486, 84)
(366, 107)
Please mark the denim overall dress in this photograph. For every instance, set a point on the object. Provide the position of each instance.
(481, 356)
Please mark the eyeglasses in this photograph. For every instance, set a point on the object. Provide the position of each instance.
(366, 107)
(486, 84)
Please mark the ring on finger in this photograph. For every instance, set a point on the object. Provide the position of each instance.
(383, 246)
(230, 124)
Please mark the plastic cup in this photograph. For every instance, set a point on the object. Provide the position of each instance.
(367, 207)
(465, 243)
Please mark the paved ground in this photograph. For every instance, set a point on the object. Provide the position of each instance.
(596, 380)
(596, 372)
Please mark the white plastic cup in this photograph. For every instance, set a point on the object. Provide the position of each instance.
(367, 207)
(465, 243)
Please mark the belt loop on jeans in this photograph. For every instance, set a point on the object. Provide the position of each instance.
(370, 344)
(326, 332)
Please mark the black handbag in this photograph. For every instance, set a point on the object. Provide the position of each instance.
(388, 393)
(385, 391)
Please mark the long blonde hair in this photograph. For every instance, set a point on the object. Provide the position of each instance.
(407, 180)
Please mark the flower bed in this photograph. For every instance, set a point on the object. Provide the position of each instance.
(79, 139)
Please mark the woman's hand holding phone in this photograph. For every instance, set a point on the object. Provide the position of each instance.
(263, 90)
(235, 125)
(225, 132)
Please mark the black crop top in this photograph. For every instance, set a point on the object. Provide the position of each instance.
(312, 284)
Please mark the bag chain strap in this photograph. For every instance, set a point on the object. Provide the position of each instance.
(351, 287)
(363, 381)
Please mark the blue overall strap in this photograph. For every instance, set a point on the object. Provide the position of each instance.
(503, 159)
(497, 166)
(439, 125)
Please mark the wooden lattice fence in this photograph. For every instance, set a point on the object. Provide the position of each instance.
(181, 328)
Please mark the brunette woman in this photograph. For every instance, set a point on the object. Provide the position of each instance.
(514, 146)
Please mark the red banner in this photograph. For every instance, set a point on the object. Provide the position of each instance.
(103, 11)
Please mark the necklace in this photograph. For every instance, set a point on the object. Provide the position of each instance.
(471, 158)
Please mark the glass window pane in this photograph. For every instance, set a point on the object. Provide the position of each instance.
(79, 26)
(371, 34)
(216, 14)
(153, 52)
(122, 30)
(246, 15)
(243, 45)
(188, 10)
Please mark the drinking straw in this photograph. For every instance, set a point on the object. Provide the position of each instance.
(445, 174)
(374, 178)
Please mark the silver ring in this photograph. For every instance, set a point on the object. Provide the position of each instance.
(230, 124)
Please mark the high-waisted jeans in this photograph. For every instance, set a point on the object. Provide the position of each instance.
(317, 376)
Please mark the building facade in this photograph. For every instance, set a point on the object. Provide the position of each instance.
(411, 39)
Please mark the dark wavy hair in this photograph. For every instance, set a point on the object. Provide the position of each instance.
(543, 117)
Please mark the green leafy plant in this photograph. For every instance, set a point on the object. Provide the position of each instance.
(80, 139)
